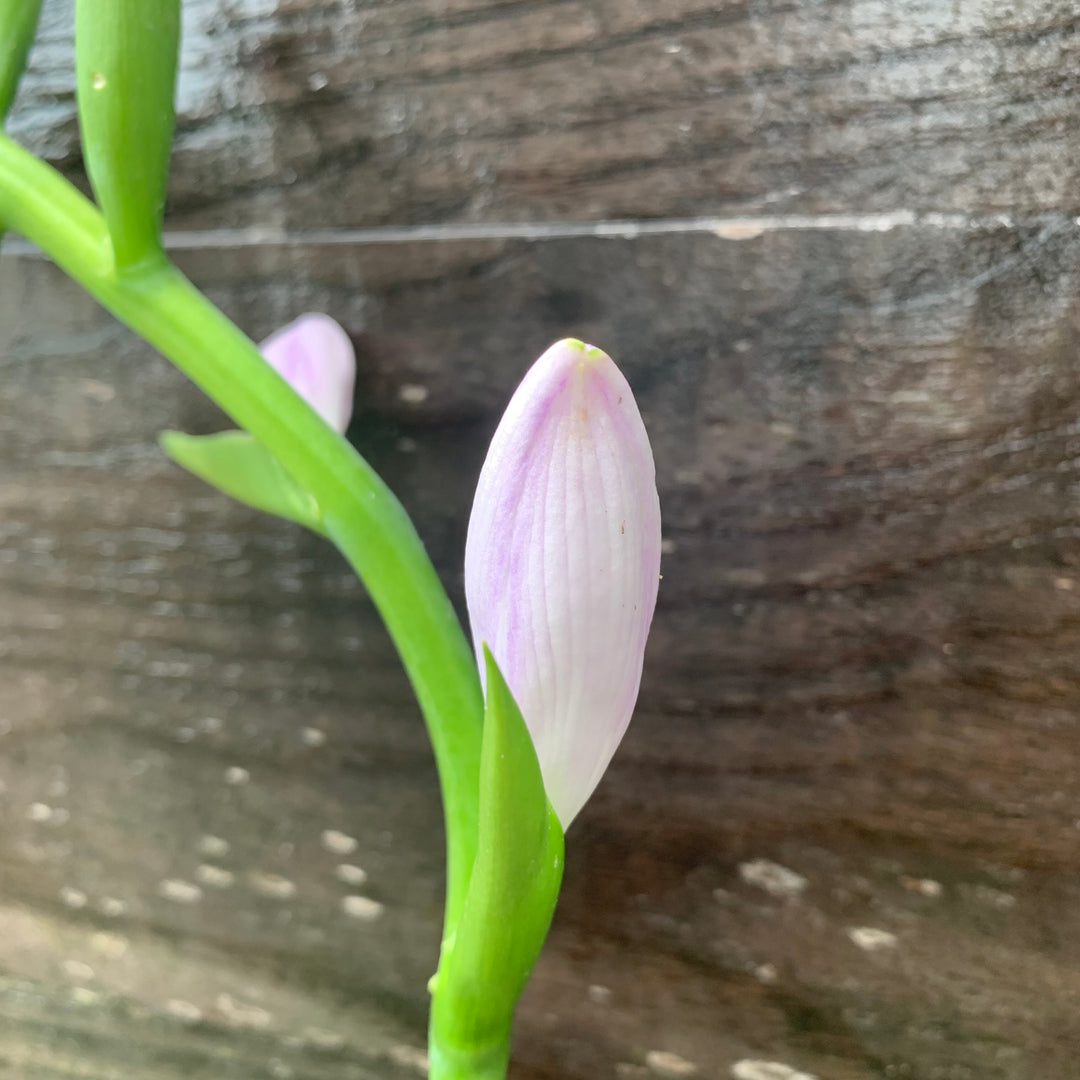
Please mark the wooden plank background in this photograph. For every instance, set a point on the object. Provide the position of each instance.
(849, 309)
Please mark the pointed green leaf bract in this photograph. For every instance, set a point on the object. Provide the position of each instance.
(18, 22)
(511, 898)
(235, 463)
(125, 64)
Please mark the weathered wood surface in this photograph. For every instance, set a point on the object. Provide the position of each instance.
(864, 662)
(316, 113)
(863, 668)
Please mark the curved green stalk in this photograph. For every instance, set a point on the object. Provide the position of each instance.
(360, 513)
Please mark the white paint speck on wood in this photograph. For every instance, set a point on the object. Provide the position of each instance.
(751, 1069)
(775, 879)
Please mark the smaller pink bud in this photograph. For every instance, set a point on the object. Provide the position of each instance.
(315, 357)
(562, 562)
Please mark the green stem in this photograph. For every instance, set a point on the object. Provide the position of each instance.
(475, 1063)
(361, 514)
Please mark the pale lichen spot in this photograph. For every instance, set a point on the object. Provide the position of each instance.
(274, 886)
(665, 1063)
(351, 875)
(183, 1010)
(213, 847)
(111, 946)
(112, 907)
(599, 995)
(987, 894)
(750, 1069)
(214, 876)
(97, 391)
(83, 995)
(338, 842)
(236, 776)
(242, 1013)
(413, 393)
(39, 813)
(179, 892)
(72, 897)
(923, 886)
(871, 939)
(409, 1057)
(323, 1039)
(745, 577)
(310, 736)
(776, 880)
(361, 907)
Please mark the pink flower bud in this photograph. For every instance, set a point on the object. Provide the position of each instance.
(562, 562)
(315, 357)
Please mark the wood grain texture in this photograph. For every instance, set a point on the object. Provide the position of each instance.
(316, 113)
(863, 668)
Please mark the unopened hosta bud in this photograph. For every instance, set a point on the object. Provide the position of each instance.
(315, 357)
(562, 562)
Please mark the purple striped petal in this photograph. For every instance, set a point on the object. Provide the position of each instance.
(315, 357)
(562, 562)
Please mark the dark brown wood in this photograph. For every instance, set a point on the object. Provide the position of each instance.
(842, 835)
(863, 669)
(316, 113)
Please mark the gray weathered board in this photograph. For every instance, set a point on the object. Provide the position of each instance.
(864, 666)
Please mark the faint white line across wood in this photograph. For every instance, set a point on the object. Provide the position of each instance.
(727, 228)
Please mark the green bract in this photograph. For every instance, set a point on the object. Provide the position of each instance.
(510, 901)
(18, 21)
(125, 59)
(235, 463)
